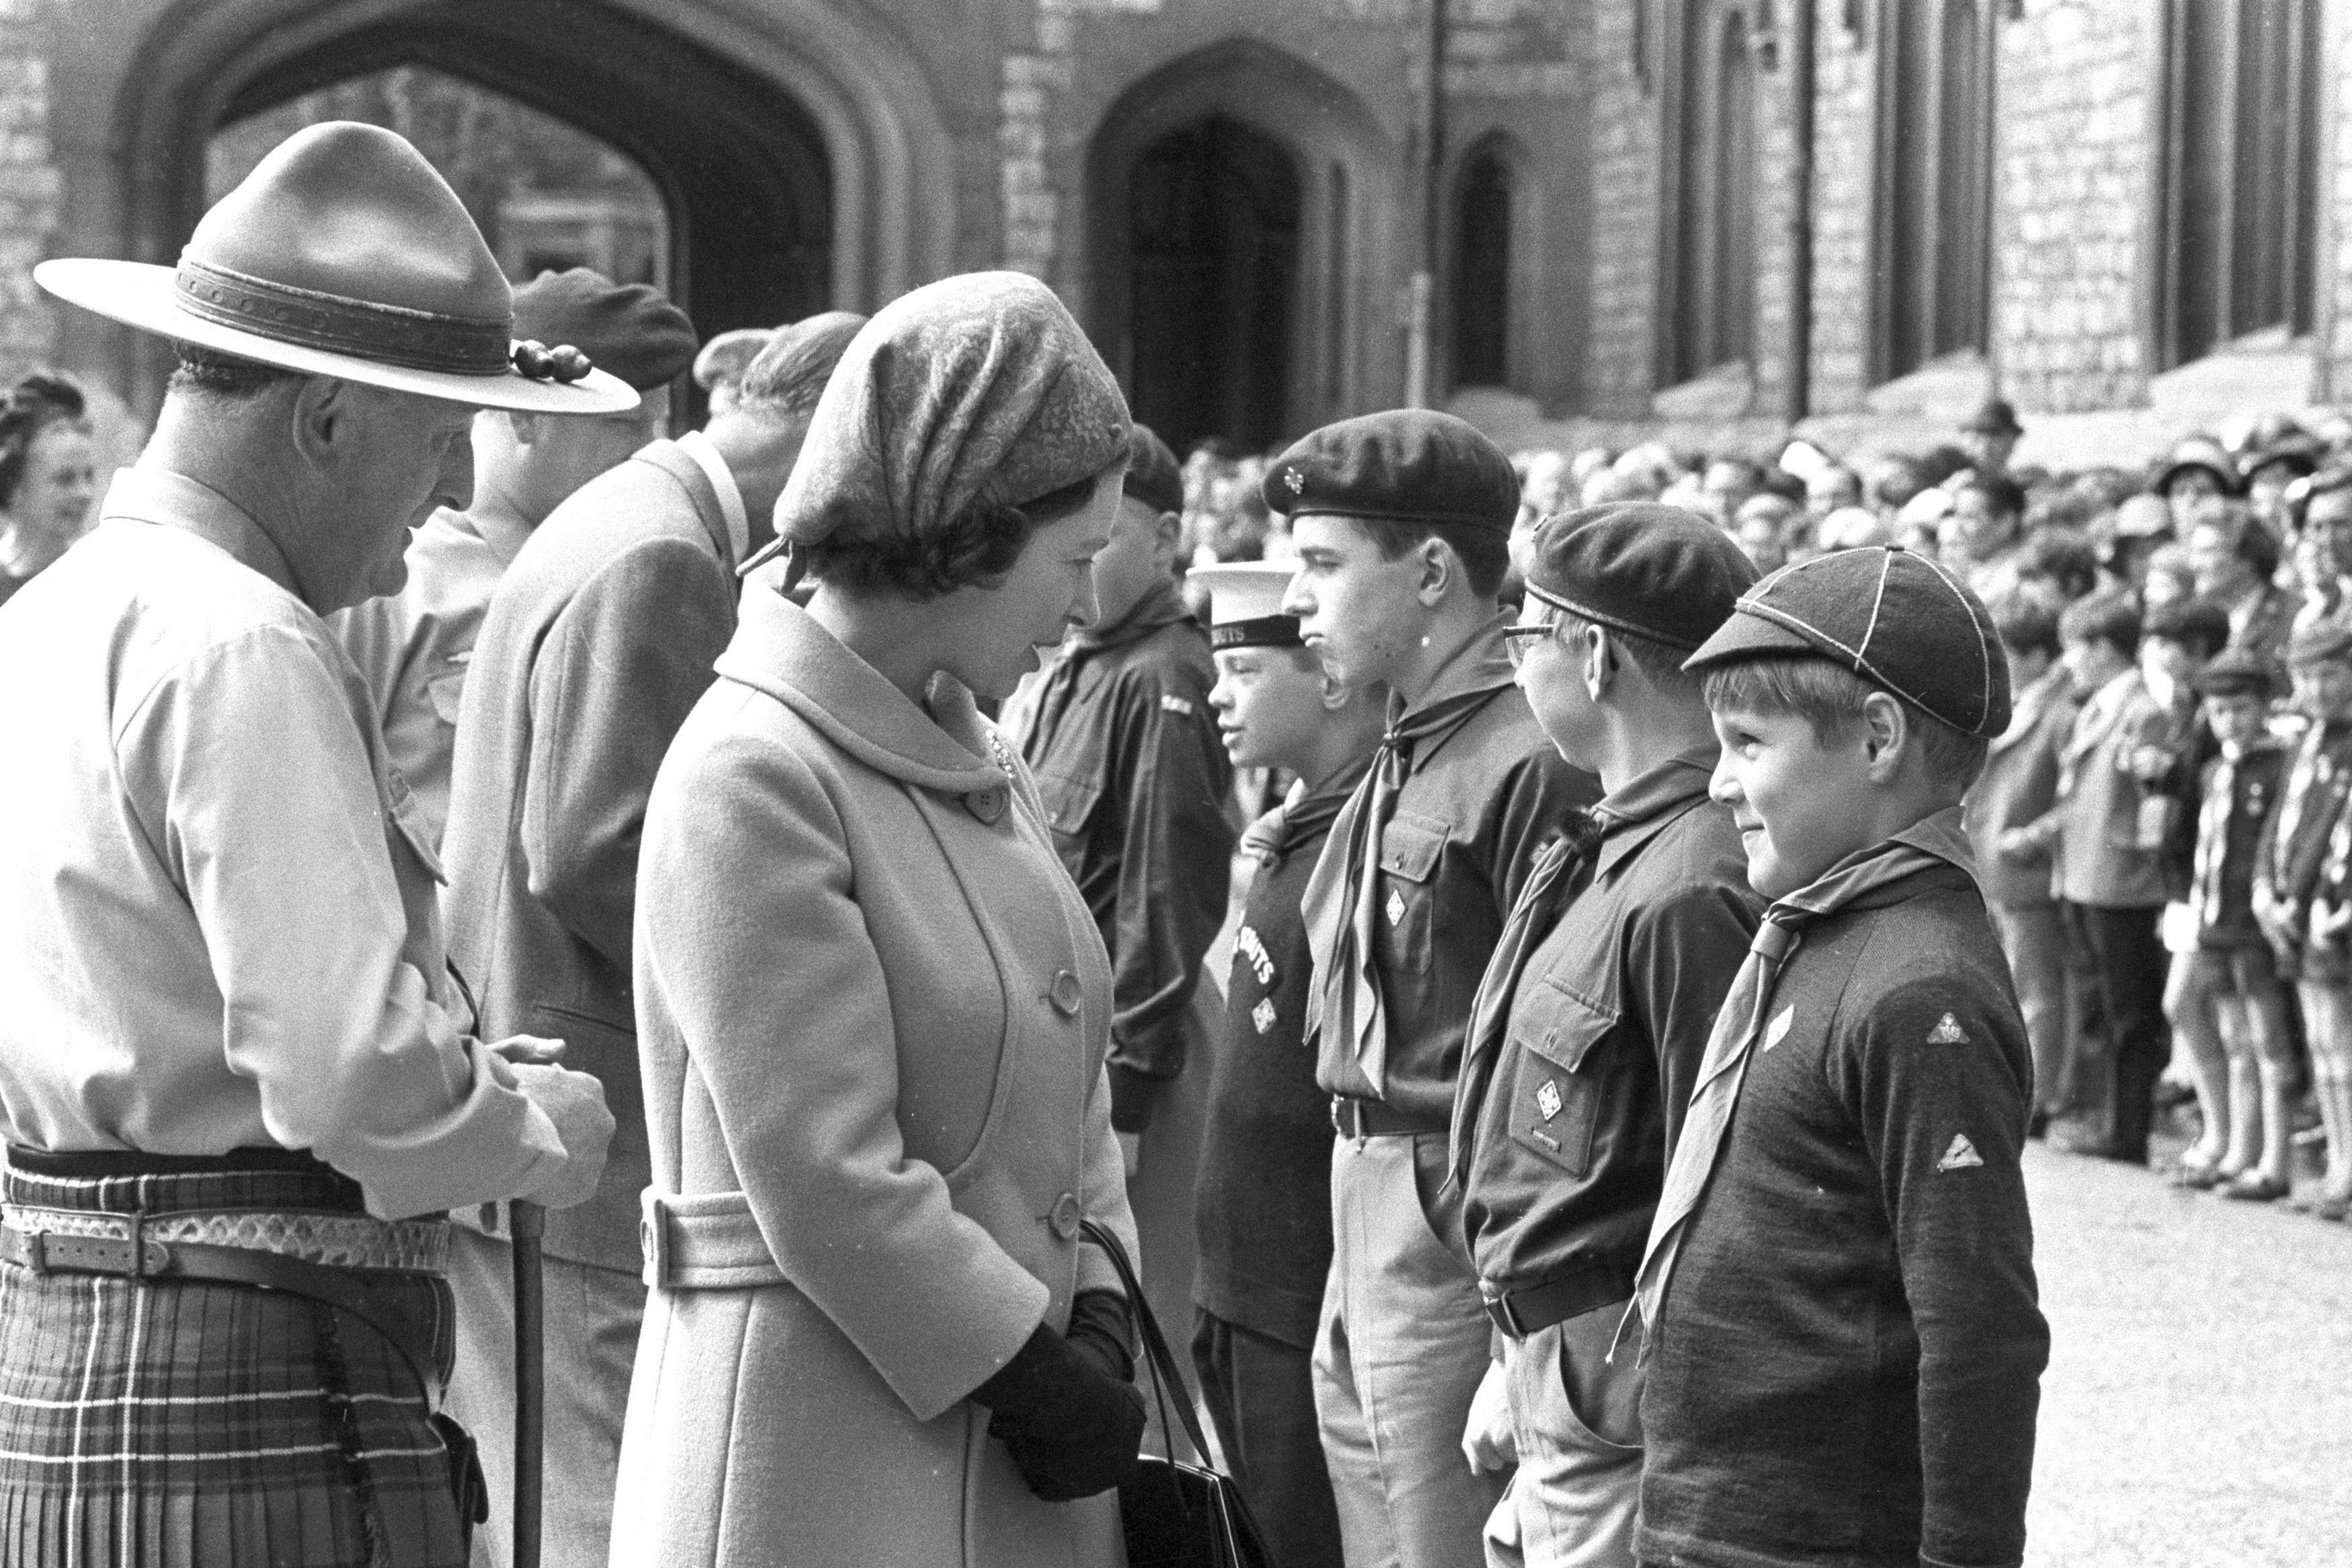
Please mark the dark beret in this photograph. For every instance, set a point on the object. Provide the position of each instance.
(626, 328)
(1152, 475)
(1406, 465)
(1659, 573)
(1994, 417)
(2319, 643)
(1890, 615)
(2237, 673)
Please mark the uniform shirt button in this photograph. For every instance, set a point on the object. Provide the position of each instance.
(1067, 993)
(1066, 1217)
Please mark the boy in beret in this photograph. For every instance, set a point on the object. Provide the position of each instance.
(1588, 1031)
(1263, 1205)
(1837, 1293)
(2300, 905)
(598, 641)
(1402, 521)
(2225, 999)
(413, 646)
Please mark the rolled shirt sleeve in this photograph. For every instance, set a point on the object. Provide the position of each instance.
(245, 770)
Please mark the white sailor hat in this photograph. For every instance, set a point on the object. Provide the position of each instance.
(1246, 604)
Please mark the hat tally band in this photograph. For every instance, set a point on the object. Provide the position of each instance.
(390, 334)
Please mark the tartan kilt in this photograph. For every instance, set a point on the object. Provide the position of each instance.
(197, 1424)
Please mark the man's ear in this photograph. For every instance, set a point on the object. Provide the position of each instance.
(1599, 663)
(322, 414)
(1167, 534)
(1888, 736)
(1439, 569)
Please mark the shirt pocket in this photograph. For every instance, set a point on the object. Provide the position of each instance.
(1406, 894)
(1555, 1089)
(1069, 803)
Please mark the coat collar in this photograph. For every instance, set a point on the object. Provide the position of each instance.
(1641, 808)
(680, 466)
(781, 650)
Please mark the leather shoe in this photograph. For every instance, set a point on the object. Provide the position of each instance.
(2252, 1186)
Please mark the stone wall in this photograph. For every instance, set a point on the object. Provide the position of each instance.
(29, 187)
(1844, 101)
(2338, 141)
(1624, 291)
(2073, 180)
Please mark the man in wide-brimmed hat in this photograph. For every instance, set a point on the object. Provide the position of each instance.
(232, 1064)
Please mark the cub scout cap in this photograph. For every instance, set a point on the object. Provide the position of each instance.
(1659, 573)
(2319, 643)
(1890, 615)
(2235, 673)
(1152, 475)
(1246, 604)
(1407, 465)
(628, 329)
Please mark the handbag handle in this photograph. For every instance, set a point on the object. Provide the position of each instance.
(1161, 1360)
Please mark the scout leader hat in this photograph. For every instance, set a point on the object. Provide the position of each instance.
(1888, 615)
(343, 254)
(1246, 604)
(1657, 572)
(1407, 464)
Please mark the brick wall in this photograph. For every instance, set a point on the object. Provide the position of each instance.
(1844, 102)
(2073, 176)
(1624, 162)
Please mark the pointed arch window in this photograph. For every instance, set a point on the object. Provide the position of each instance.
(1707, 279)
(2239, 165)
(1932, 203)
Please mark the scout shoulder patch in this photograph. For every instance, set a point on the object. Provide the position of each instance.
(1960, 1156)
(1778, 1030)
(1176, 704)
(1948, 1032)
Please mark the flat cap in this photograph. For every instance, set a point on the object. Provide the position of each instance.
(628, 329)
(1890, 615)
(1407, 464)
(1994, 417)
(1246, 604)
(2236, 673)
(1152, 475)
(1659, 573)
(2319, 643)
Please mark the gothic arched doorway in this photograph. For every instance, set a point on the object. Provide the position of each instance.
(1213, 243)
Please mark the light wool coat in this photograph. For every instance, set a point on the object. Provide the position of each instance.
(870, 1001)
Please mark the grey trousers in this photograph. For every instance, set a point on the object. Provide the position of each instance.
(1576, 1417)
(1398, 1356)
(593, 1316)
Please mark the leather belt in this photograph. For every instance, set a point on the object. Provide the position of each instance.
(1536, 1308)
(1353, 1117)
(337, 1240)
(141, 1258)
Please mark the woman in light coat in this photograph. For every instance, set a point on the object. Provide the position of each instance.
(872, 1010)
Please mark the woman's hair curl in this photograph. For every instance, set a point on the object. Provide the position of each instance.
(975, 548)
(41, 400)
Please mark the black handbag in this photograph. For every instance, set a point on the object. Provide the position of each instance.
(1176, 1515)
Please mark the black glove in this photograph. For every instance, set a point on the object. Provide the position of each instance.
(1072, 1429)
(1098, 1328)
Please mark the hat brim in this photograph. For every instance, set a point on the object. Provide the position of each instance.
(140, 294)
(1749, 637)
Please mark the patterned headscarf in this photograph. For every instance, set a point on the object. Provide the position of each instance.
(982, 381)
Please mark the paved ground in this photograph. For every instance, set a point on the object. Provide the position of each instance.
(2198, 1409)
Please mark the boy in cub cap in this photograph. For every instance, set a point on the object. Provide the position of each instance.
(2224, 997)
(1402, 522)
(1263, 1204)
(1837, 1296)
(1588, 1031)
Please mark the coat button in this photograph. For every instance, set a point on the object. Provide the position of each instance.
(986, 804)
(1067, 993)
(1066, 1217)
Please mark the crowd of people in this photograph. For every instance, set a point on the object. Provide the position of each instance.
(788, 852)
(2154, 833)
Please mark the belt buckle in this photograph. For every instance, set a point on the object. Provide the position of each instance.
(1499, 1311)
(1347, 1116)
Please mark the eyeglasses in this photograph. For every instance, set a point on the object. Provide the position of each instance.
(1517, 640)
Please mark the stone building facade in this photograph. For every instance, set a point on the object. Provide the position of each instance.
(2032, 198)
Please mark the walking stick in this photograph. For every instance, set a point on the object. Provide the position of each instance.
(529, 1224)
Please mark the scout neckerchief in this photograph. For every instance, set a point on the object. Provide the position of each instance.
(1560, 873)
(1162, 606)
(1342, 902)
(1270, 838)
(1925, 844)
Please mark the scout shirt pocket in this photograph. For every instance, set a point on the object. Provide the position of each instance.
(1554, 1081)
(1406, 891)
(1069, 806)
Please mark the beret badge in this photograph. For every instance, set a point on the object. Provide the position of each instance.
(1294, 480)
